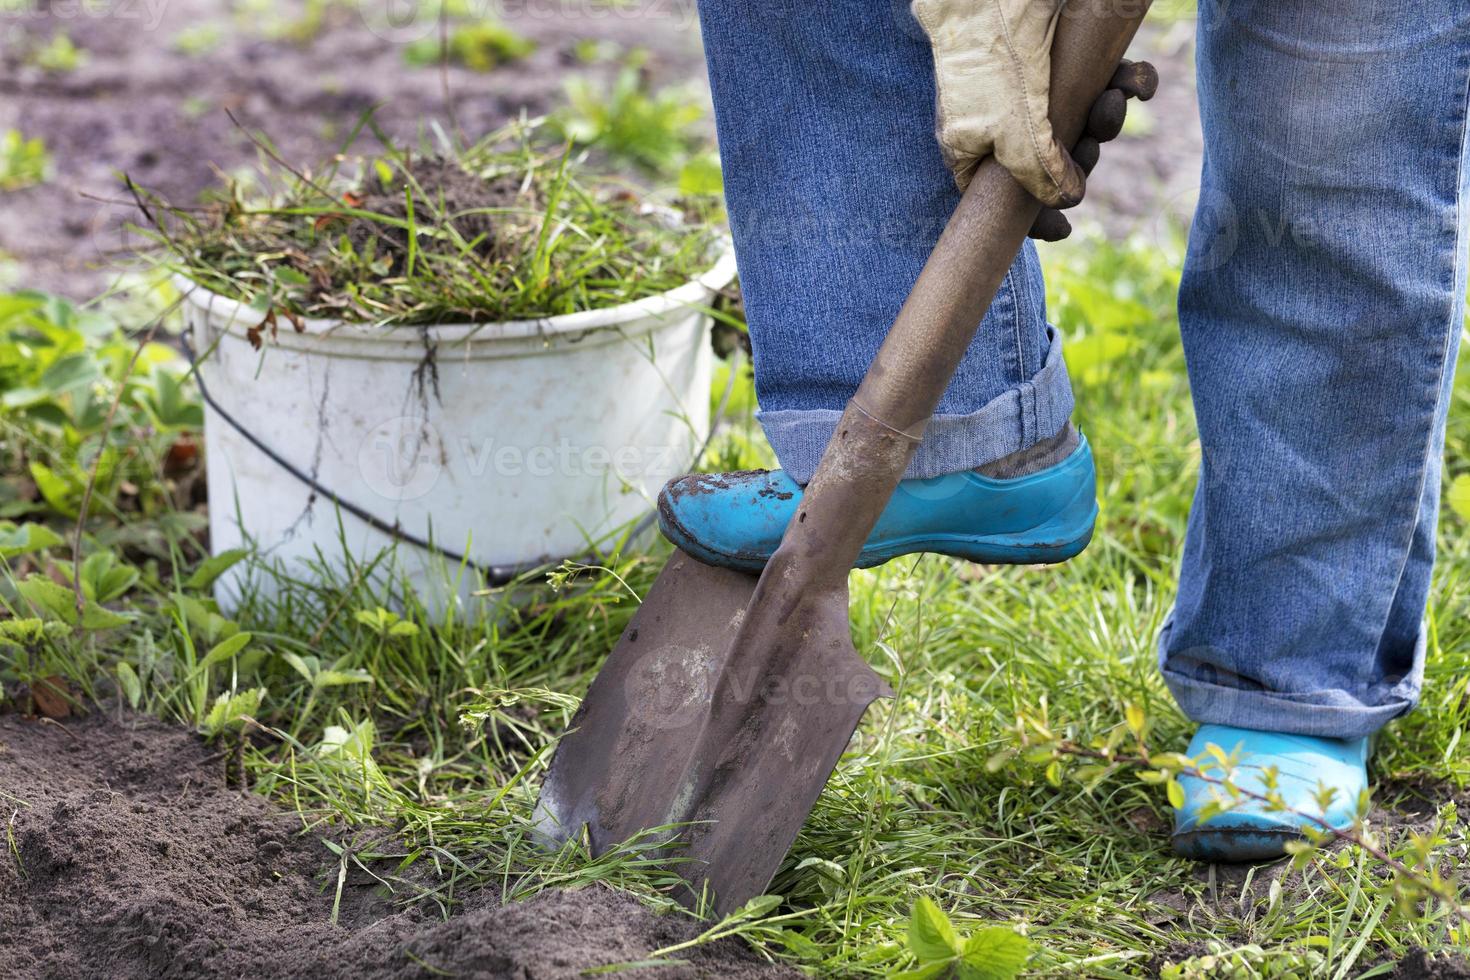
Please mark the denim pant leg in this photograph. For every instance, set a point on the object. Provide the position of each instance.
(837, 193)
(1321, 310)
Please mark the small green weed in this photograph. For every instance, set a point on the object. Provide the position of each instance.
(990, 953)
(198, 40)
(57, 54)
(60, 370)
(481, 46)
(596, 50)
(654, 130)
(23, 162)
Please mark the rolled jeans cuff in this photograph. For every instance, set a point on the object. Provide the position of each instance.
(1210, 694)
(1016, 419)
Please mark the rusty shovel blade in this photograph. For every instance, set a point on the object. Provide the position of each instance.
(714, 725)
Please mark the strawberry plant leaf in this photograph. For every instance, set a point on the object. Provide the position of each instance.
(931, 934)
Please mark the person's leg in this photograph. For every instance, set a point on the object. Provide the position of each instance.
(837, 193)
(1321, 308)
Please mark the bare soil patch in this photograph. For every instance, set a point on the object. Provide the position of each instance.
(131, 857)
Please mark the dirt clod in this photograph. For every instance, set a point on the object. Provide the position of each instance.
(460, 200)
(1419, 965)
(50, 697)
(133, 859)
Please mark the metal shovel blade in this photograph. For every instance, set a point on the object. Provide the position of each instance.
(715, 716)
(782, 713)
(638, 724)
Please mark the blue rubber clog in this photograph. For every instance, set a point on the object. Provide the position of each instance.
(736, 520)
(1250, 831)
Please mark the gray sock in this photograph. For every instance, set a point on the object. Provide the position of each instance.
(1033, 459)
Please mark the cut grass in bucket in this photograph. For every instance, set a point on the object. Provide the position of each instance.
(511, 228)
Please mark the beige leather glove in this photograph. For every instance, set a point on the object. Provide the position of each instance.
(992, 63)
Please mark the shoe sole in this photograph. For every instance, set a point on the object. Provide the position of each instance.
(1233, 846)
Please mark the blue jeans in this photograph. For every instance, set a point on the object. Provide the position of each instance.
(837, 193)
(1320, 310)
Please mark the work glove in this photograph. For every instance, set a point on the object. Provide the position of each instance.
(992, 63)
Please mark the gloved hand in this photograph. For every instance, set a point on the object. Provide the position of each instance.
(992, 62)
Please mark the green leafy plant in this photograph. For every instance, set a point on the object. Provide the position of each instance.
(198, 40)
(321, 675)
(701, 174)
(23, 162)
(17, 540)
(231, 710)
(1457, 495)
(1248, 962)
(989, 953)
(1415, 870)
(210, 569)
(596, 50)
(482, 46)
(386, 624)
(58, 604)
(654, 130)
(57, 54)
(104, 578)
(62, 370)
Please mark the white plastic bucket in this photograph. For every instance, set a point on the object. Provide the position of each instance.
(512, 444)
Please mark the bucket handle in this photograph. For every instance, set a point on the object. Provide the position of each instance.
(494, 575)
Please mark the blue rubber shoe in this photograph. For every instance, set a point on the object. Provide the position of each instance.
(1248, 831)
(736, 520)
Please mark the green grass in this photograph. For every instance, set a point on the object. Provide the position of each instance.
(440, 728)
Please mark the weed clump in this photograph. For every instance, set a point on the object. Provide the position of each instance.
(509, 228)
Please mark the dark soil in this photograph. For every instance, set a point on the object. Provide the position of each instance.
(132, 858)
(1148, 180)
(457, 198)
(1419, 965)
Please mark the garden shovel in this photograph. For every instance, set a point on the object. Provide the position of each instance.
(717, 719)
